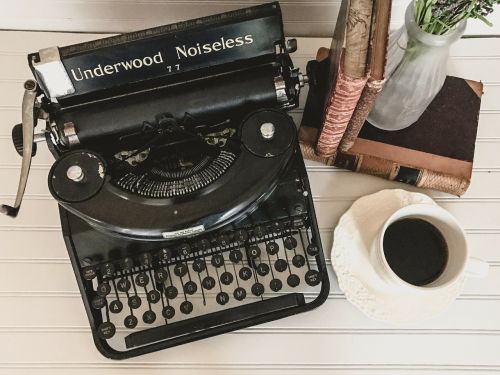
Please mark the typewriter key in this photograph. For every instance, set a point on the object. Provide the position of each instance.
(293, 280)
(130, 321)
(161, 275)
(98, 302)
(222, 298)
(272, 248)
(89, 273)
(245, 273)
(290, 243)
(149, 316)
(312, 277)
(123, 285)
(103, 289)
(226, 278)
(146, 259)
(298, 261)
(199, 265)
(312, 250)
(106, 330)
(239, 294)
(217, 260)
(184, 249)
(203, 244)
(257, 289)
(223, 240)
(186, 307)
(171, 292)
(165, 255)
(259, 231)
(235, 256)
(280, 265)
(116, 306)
(127, 263)
(168, 312)
(153, 296)
(276, 285)
(254, 252)
(142, 279)
(180, 269)
(241, 235)
(107, 269)
(277, 226)
(190, 287)
(262, 269)
(134, 302)
(208, 282)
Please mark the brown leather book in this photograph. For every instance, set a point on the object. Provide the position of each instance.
(377, 56)
(436, 152)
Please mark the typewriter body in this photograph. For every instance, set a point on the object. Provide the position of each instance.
(184, 200)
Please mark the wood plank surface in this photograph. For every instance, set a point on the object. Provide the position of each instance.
(44, 329)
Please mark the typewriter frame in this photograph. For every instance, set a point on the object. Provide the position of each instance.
(94, 315)
(279, 85)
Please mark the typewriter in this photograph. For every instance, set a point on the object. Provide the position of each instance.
(183, 197)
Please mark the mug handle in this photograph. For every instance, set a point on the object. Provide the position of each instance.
(477, 268)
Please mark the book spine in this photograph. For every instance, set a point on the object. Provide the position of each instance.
(357, 37)
(363, 108)
(338, 113)
(419, 177)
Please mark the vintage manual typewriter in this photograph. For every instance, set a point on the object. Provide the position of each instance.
(184, 200)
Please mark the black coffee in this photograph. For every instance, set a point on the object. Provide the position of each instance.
(415, 250)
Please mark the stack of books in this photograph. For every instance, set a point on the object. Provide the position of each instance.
(436, 152)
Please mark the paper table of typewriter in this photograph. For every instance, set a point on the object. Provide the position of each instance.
(184, 201)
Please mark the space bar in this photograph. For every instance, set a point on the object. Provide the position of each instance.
(241, 316)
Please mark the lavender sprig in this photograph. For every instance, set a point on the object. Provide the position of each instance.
(440, 16)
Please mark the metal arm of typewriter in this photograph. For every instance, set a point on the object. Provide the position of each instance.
(24, 138)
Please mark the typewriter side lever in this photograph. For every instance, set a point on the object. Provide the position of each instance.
(24, 140)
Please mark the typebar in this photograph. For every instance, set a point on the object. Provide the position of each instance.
(216, 320)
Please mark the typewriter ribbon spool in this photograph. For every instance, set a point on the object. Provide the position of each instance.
(184, 200)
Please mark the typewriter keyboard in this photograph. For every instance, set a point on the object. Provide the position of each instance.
(202, 276)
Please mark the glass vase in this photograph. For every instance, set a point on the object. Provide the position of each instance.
(415, 73)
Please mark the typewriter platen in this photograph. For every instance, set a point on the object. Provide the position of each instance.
(184, 200)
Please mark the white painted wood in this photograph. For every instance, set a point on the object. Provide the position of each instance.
(301, 17)
(43, 327)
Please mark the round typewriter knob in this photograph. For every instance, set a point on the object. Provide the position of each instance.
(268, 133)
(75, 173)
(267, 130)
(77, 176)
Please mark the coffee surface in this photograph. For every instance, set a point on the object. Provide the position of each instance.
(415, 250)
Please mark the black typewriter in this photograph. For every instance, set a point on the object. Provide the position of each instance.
(184, 200)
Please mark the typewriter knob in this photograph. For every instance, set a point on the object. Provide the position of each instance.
(268, 133)
(267, 130)
(17, 139)
(75, 173)
(77, 176)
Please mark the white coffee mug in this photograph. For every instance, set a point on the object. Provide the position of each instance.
(459, 262)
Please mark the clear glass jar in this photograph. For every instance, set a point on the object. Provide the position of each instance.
(415, 72)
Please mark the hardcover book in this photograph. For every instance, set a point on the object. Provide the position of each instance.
(436, 152)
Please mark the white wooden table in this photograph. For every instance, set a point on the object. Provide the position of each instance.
(43, 326)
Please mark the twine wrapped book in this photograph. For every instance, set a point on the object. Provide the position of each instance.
(348, 72)
(376, 64)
